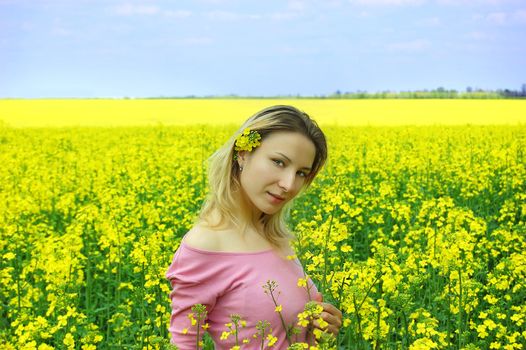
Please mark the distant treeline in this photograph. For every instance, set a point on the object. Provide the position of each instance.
(438, 93)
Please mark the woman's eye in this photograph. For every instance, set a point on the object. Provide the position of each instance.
(302, 174)
(279, 162)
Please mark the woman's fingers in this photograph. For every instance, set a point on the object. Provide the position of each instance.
(329, 308)
(332, 318)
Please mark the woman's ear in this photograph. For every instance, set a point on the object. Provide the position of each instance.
(241, 158)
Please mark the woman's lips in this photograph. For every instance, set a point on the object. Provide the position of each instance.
(276, 198)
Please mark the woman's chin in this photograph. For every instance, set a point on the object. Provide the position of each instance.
(270, 211)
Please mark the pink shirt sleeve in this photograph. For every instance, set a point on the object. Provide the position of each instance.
(191, 281)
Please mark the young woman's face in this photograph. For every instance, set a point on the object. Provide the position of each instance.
(274, 172)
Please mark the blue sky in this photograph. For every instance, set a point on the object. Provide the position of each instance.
(95, 48)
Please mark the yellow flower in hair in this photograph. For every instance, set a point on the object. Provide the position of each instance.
(248, 140)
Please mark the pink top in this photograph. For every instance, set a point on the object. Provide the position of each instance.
(232, 283)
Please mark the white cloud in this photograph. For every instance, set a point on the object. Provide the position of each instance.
(478, 36)
(297, 5)
(230, 16)
(520, 16)
(410, 46)
(177, 13)
(60, 31)
(297, 50)
(223, 15)
(429, 22)
(196, 41)
(502, 18)
(386, 2)
(475, 2)
(497, 17)
(131, 9)
(283, 16)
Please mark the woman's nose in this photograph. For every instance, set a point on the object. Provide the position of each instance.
(287, 181)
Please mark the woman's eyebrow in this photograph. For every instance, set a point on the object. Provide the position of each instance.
(287, 158)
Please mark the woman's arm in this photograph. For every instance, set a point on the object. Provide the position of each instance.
(191, 277)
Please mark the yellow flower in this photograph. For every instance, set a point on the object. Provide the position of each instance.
(185, 330)
(248, 140)
(97, 338)
(490, 324)
(205, 326)
(88, 347)
(278, 308)
(302, 282)
(323, 324)
(481, 330)
(69, 341)
(271, 340)
(494, 345)
(345, 248)
(491, 299)
(9, 256)
(303, 323)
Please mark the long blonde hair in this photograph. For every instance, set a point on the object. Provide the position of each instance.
(223, 171)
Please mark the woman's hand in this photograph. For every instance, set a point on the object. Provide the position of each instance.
(332, 316)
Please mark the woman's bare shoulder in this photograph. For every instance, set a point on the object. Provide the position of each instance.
(203, 238)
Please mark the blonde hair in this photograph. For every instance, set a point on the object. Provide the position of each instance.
(223, 171)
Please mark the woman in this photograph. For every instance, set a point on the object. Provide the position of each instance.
(237, 258)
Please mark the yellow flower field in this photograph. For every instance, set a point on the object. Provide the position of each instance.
(382, 112)
(417, 233)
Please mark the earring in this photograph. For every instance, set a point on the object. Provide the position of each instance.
(240, 168)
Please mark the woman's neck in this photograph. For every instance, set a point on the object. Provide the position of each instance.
(216, 220)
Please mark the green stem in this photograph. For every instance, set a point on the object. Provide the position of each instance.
(460, 309)
(323, 286)
(377, 345)
(17, 276)
(358, 319)
(197, 335)
(237, 338)
(448, 322)
(287, 333)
